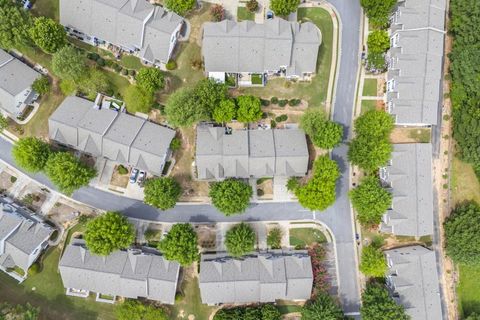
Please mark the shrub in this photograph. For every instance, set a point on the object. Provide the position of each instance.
(132, 73)
(283, 102)
(41, 85)
(273, 124)
(321, 281)
(124, 72)
(101, 62)
(252, 5)
(274, 238)
(218, 12)
(294, 102)
(240, 240)
(265, 102)
(171, 65)
(281, 118)
(274, 100)
(292, 184)
(122, 170)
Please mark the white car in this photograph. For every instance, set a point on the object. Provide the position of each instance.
(133, 175)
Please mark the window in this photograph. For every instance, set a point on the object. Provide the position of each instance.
(389, 107)
(390, 85)
(394, 40)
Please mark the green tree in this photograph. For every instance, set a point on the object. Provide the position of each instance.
(41, 85)
(180, 6)
(230, 196)
(182, 109)
(138, 100)
(67, 173)
(378, 305)
(369, 154)
(378, 41)
(324, 133)
(150, 79)
(373, 262)
(31, 153)
(3, 123)
(180, 244)
(108, 233)
(162, 193)
(48, 35)
(240, 240)
(462, 229)
(14, 25)
(249, 109)
(93, 82)
(323, 307)
(69, 64)
(136, 310)
(374, 124)
(473, 316)
(274, 238)
(378, 11)
(292, 184)
(319, 192)
(284, 7)
(370, 201)
(209, 94)
(225, 111)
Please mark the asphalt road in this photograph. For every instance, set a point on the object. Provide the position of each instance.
(337, 218)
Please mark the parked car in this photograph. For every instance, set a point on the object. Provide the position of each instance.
(133, 175)
(141, 178)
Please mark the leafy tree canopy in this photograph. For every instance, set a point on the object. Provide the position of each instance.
(374, 124)
(109, 232)
(284, 7)
(94, 81)
(41, 85)
(462, 229)
(183, 110)
(69, 64)
(136, 310)
(370, 201)
(323, 307)
(324, 133)
(376, 62)
(473, 316)
(378, 11)
(48, 35)
(209, 94)
(378, 305)
(225, 111)
(378, 41)
(249, 109)
(369, 154)
(180, 244)
(14, 25)
(373, 262)
(180, 6)
(240, 240)
(31, 153)
(150, 79)
(230, 196)
(162, 193)
(67, 172)
(264, 312)
(319, 192)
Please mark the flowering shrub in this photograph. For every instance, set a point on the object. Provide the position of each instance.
(321, 281)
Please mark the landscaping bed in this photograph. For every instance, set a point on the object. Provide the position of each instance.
(303, 237)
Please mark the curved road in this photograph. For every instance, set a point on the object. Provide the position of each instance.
(337, 218)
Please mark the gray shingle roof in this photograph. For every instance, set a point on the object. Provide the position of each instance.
(258, 277)
(413, 275)
(410, 178)
(416, 61)
(22, 234)
(132, 24)
(120, 137)
(131, 274)
(229, 46)
(16, 79)
(252, 153)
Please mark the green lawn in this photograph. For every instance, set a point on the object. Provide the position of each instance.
(47, 8)
(368, 105)
(244, 14)
(131, 62)
(370, 87)
(306, 236)
(465, 185)
(191, 303)
(314, 92)
(45, 290)
(468, 290)
(257, 79)
(119, 83)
